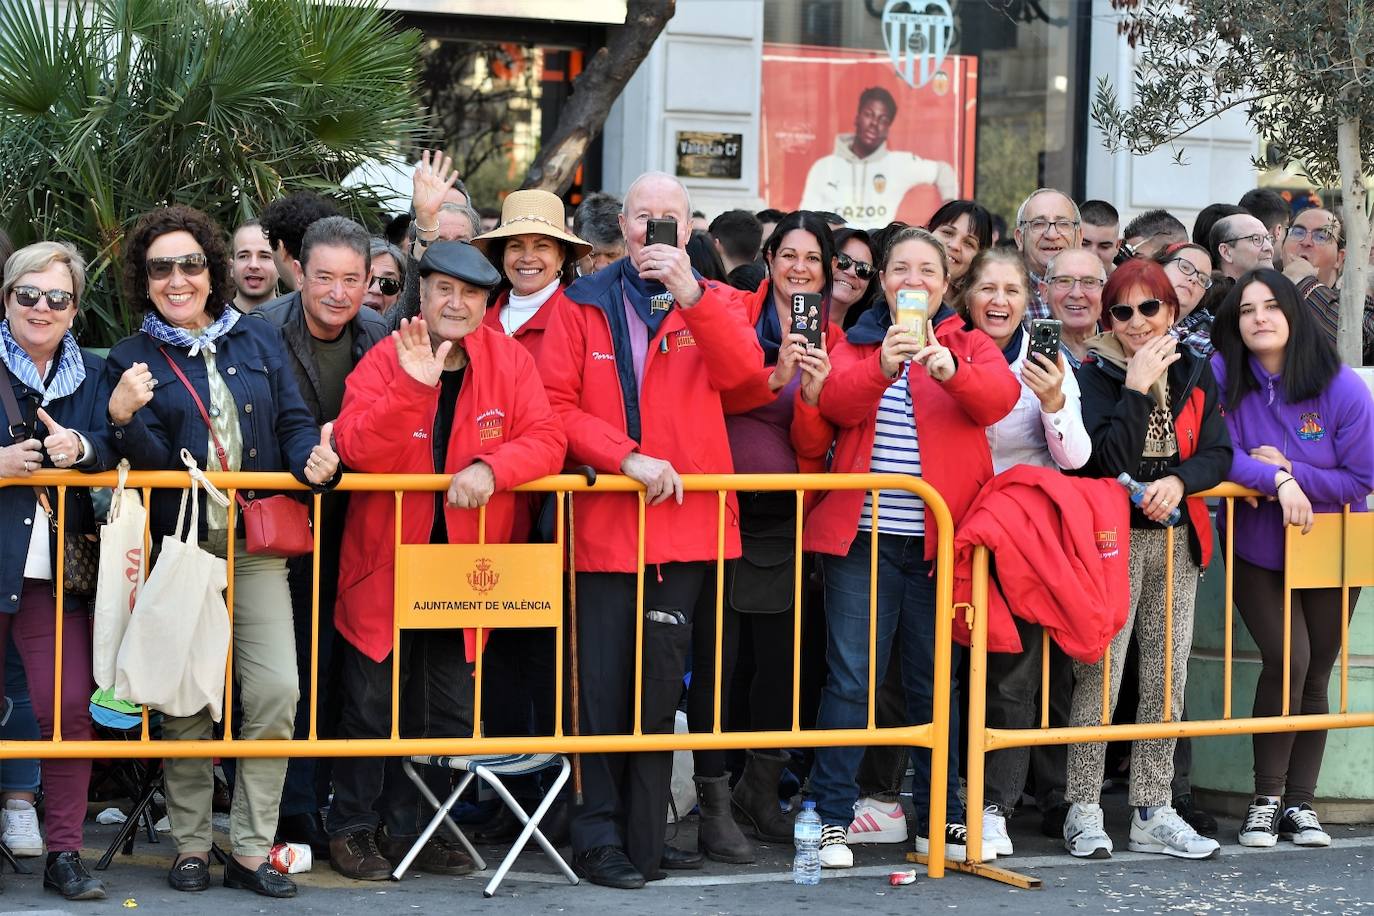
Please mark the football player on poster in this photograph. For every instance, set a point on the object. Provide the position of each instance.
(863, 180)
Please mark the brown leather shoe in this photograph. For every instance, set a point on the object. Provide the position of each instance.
(440, 856)
(355, 855)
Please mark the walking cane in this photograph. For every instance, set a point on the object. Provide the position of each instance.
(590, 474)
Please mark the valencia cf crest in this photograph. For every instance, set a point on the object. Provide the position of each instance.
(917, 34)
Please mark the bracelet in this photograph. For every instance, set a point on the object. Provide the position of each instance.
(1289, 479)
(419, 228)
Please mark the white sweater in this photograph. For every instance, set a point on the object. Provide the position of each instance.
(868, 191)
(1028, 435)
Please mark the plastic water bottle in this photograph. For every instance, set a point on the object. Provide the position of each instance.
(806, 835)
(1137, 491)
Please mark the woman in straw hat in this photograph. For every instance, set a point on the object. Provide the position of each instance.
(536, 256)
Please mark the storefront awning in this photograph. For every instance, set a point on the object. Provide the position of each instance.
(605, 12)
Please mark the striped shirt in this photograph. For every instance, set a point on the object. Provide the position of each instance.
(895, 451)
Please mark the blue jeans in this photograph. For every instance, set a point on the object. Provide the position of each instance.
(906, 599)
(22, 725)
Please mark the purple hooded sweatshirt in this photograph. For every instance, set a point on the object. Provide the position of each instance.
(1329, 440)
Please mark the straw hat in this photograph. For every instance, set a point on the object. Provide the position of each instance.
(533, 212)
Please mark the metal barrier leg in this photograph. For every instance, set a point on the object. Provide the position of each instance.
(977, 749)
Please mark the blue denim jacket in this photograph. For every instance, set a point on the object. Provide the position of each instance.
(84, 410)
(277, 428)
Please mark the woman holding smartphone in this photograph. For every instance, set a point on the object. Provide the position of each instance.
(1303, 429)
(907, 403)
(759, 586)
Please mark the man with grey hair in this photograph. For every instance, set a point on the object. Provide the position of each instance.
(635, 362)
(597, 220)
(1240, 243)
(327, 330)
(1047, 222)
(1072, 291)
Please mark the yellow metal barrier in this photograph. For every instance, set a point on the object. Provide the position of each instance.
(933, 735)
(1337, 553)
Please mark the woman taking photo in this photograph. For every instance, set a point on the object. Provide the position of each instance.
(964, 227)
(853, 291)
(898, 405)
(1303, 430)
(1151, 408)
(759, 587)
(197, 377)
(536, 257)
(58, 393)
(1044, 429)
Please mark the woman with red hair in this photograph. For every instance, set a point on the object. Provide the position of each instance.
(1151, 410)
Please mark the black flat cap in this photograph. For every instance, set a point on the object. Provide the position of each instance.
(461, 261)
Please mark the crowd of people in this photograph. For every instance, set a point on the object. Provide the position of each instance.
(497, 351)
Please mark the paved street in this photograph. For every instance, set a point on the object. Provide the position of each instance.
(1285, 881)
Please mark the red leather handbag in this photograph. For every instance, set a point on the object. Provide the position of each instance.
(277, 526)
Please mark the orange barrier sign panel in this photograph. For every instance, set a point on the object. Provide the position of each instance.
(450, 586)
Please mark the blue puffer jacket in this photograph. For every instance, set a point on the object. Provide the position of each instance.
(84, 411)
(278, 431)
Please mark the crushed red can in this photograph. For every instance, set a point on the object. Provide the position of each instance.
(900, 878)
(291, 858)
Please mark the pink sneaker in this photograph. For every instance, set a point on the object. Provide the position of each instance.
(877, 822)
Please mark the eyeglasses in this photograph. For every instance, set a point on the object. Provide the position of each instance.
(387, 286)
(1064, 284)
(1124, 313)
(192, 265)
(1190, 270)
(861, 269)
(1258, 239)
(1320, 236)
(1041, 225)
(58, 299)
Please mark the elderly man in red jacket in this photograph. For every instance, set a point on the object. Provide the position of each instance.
(634, 364)
(445, 395)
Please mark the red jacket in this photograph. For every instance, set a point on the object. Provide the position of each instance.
(502, 419)
(697, 353)
(531, 333)
(1060, 545)
(950, 419)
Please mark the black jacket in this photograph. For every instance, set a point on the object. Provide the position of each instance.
(287, 314)
(84, 410)
(277, 428)
(1117, 419)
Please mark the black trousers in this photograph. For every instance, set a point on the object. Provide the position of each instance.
(625, 796)
(436, 702)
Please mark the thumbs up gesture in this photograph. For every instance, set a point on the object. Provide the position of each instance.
(323, 463)
(63, 446)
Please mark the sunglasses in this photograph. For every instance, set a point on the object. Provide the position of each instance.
(192, 265)
(387, 286)
(58, 299)
(862, 270)
(1124, 313)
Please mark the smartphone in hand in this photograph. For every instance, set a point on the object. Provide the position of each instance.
(806, 317)
(661, 232)
(1044, 338)
(913, 310)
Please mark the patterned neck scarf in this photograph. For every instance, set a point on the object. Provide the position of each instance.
(156, 328)
(71, 368)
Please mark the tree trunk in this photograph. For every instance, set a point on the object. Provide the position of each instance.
(1355, 220)
(594, 91)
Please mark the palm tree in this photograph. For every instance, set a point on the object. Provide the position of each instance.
(109, 108)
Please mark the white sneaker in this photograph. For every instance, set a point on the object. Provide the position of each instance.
(877, 822)
(956, 844)
(996, 842)
(1084, 835)
(1302, 827)
(835, 851)
(1261, 824)
(21, 829)
(1168, 834)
